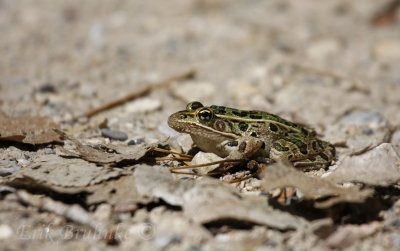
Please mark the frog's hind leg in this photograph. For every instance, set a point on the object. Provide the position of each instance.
(218, 170)
(312, 162)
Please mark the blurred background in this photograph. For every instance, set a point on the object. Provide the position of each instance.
(90, 51)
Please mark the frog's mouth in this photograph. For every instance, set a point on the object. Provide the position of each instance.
(179, 121)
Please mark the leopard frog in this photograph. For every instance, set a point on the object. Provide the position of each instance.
(238, 134)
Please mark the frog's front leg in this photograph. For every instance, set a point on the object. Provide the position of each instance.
(244, 148)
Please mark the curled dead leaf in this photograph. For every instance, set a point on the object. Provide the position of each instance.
(52, 170)
(280, 175)
(106, 154)
(209, 201)
(27, 129)
(378, 167)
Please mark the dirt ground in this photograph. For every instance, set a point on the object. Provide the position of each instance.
(94, 184)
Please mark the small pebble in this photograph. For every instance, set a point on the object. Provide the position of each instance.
(5, 232)
(185, 142)
(114, 134)
(202, 158)
(103, 212)
(137, 141)
(47, 88)
(395, 223)
(162, 241)
(8, 167)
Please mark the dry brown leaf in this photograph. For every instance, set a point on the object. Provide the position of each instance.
(347, 235)
(281, 175)
(115, 192)
(32, 185)
(108, 154)
(120, 191)
(213, 201)
(52, 170)
(209, 200)
(26, 129)
(379, 166)
(158, 182)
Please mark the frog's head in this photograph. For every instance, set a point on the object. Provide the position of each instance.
(200, 120)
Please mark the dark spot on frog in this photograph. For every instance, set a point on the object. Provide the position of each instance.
(232, 143)
(254, 134)
(273, 127)
(333, 150)
(280, 148)
(242, 146)
(304, 131)
(239, 113)
(182, 116)
(256, 116)
(219, 125)
(243, 126)
(236, 112)
(303, 149)
(324, 156)
(219, 109)
(314, 145)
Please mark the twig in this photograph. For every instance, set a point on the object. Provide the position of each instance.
(172, 158)
(140, 93)
(207, 164)
(157, 149)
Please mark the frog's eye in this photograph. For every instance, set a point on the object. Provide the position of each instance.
(194, 106)
(205, 115)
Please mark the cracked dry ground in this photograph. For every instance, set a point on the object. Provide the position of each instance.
(72, 177)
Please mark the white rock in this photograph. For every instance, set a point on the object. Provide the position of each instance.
(103, 212)
(185, 142)
(5, 232)
(203, 158)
